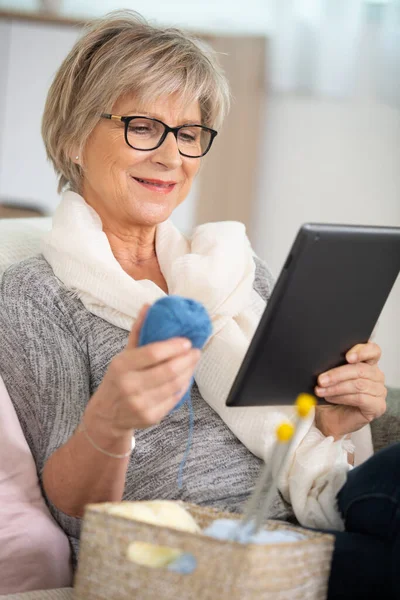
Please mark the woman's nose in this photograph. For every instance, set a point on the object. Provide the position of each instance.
(168, 153)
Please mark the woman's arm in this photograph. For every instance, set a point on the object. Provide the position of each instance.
(47, 374)
(356, 392)
(140, 387)
(78, 474)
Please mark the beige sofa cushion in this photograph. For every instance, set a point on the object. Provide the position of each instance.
(20, 238)
(34, 551)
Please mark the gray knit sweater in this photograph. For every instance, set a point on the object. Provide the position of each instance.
(54, 354)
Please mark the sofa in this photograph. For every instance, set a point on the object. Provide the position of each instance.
(34, 551)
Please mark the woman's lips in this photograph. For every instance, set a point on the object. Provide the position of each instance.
(155, 185)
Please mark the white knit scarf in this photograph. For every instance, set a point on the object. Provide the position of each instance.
(215, 266)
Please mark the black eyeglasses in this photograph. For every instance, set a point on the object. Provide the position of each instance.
(145, 133)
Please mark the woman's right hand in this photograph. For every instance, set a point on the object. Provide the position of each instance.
(143, 384)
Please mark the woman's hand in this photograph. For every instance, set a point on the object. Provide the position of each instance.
(357, 391)
(142, 385)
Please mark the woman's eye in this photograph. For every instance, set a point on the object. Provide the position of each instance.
(187, 136)
(139, 129)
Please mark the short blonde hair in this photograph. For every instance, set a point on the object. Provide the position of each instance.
(118, 54)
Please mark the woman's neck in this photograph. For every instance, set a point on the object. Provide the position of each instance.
(133, 245)
(136, 253)
(136, 247)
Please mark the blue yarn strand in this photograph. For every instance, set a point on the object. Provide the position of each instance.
(188, 443)
(175, 316)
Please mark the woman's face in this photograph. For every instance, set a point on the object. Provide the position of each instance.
(112, 170)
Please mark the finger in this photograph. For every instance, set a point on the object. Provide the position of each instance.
(156, 413)
(346, 372)
(172, 391)
(138, 359)
(133, 339)
(352, 386)
(371, 407)
(369, 353)
(162, 410)
(154, 406)
(138, 382)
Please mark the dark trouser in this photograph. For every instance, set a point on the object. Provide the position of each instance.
(366, 560)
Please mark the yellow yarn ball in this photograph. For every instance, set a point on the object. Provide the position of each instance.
(150, 555)
(284, 432)
(304, 404)
(164, 513)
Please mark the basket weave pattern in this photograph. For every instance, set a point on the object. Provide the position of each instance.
(287, 571)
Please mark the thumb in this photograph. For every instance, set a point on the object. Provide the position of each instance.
(133, 339)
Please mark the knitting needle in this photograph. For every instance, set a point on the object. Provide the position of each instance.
(285, 434)
(304, 404)
(248, 526)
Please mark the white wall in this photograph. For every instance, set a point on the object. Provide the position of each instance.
(4, 50)
(333, 160)
(201, 15)
(34, 52)
(329, 161)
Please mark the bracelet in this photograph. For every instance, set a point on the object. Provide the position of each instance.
(82, 428)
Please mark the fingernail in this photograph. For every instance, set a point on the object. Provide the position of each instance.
(352, 357)
(323, 379)
(186, 344)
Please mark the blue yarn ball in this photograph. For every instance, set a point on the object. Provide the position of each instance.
(175, 316)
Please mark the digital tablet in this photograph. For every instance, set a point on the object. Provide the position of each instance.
(328, 297)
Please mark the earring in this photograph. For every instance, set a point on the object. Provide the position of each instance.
(76, 157)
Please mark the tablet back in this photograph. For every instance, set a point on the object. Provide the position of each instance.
(328, 298)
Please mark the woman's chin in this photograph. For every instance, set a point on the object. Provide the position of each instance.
(152, 214)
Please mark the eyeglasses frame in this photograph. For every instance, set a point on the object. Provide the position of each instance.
(167, 130)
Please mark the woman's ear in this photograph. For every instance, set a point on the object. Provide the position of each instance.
(75, 156)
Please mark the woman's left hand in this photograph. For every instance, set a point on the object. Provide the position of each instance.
(357, 392)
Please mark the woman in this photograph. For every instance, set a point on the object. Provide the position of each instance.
(129, 116)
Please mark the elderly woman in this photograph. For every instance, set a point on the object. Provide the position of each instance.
(130, 115)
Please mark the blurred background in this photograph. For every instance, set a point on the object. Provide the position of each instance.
(313, 135)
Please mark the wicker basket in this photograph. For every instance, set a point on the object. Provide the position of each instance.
(225, 570)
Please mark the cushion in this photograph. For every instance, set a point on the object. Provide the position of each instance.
(60, 594)
(34, 551)
(386, 429)
(20, 238)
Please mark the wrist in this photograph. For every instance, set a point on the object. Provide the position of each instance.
(323, 426)
(83, 429)
(100, 424)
